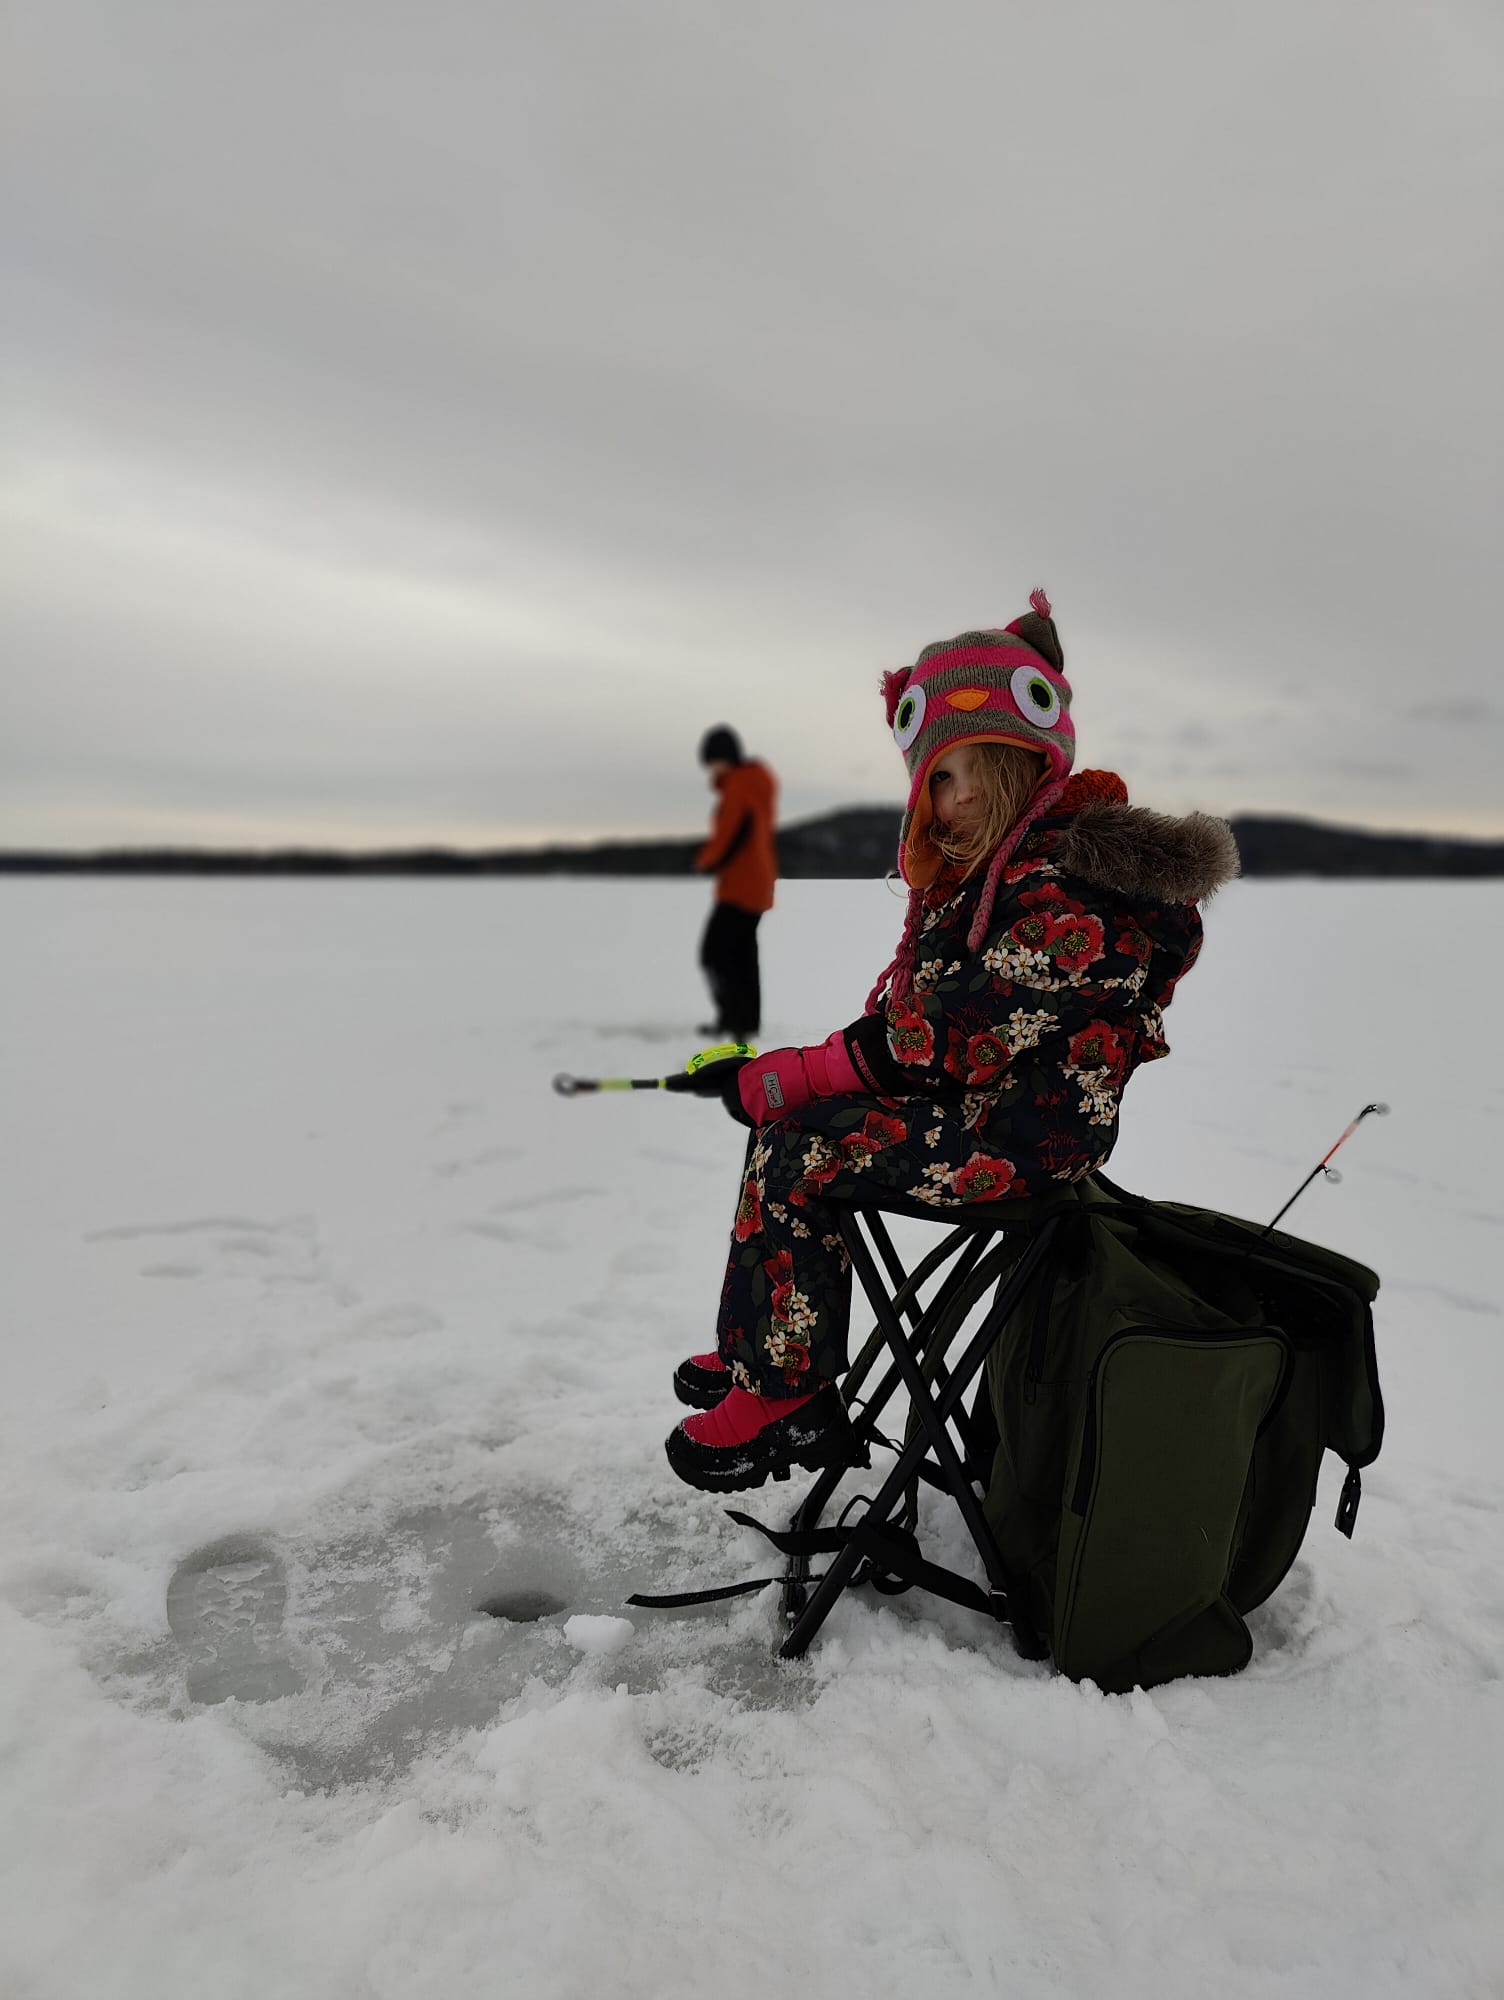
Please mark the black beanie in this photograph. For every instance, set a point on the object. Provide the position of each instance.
(721, 742)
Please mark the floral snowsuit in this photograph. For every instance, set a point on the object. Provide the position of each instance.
(1006, 1068)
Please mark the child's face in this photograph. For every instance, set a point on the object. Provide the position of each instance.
(953, 785)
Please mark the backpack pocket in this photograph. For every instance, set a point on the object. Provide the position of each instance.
(1154, 1489)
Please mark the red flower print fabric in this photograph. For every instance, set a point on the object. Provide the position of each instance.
(1006, 1068)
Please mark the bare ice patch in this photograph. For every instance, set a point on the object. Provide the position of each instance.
(353, 1654)
(361, 1650)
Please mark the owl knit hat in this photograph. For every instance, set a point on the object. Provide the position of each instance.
(1005, 686)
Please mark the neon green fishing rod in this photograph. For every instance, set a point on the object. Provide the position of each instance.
(703, 1074)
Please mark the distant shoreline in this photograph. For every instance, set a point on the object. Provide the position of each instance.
(856, 842)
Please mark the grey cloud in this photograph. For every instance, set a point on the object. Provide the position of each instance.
(1375, 767)
(775, 353)
(1468, 710)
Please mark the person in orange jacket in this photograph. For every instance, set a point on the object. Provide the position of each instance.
(742, 855)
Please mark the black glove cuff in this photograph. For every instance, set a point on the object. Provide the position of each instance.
(717, 1079)
(731, 1097)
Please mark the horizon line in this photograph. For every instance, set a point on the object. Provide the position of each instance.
(589, 843)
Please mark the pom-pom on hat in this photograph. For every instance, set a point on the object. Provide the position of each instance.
(997, 686)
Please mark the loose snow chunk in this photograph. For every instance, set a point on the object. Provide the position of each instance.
(589, 1634)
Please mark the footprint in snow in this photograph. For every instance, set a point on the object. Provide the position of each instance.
(469, 1163)
(545, 1198)
(226, 1605)
(535, 1235)
(279, 1253)
(645, 1031)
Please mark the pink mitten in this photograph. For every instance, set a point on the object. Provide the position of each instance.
(780, 1081)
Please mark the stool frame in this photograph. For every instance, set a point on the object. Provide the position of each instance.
(879, 1548)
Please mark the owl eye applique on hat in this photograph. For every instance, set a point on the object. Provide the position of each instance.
(1035, 696)
(908, 716)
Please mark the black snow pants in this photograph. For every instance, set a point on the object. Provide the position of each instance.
(728, 954)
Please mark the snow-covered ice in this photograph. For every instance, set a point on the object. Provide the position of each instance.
(336, 1357)
(589, 1634)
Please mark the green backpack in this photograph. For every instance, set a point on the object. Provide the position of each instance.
(1156, 1409)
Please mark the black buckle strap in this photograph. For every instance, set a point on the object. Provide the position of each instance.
(796, 1541)
(1347, 1505)
(893, 1563)
(789, 1542)
(679, 1600)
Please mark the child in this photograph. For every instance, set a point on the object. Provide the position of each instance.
(1047, 926)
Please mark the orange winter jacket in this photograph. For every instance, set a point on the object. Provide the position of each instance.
(741, 852)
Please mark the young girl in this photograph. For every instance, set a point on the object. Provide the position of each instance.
(1047, 926)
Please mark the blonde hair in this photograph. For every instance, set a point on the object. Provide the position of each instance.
(1006, 777)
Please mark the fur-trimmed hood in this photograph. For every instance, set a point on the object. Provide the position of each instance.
(1140, 853)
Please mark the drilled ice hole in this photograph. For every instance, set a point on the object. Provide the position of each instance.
(521, 1607)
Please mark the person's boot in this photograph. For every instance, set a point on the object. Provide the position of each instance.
(714, 1031)
(747, 1439)
(701, 1381)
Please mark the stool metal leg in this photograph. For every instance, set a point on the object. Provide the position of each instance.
(886, 1250)
(964, 1255)
(966, 1259)
(932, 1434)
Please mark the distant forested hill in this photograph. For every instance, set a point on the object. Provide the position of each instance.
(856, 841)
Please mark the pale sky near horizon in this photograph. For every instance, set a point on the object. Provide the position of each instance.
(423, 421)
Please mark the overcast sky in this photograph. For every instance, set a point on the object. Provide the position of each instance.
(423, 419)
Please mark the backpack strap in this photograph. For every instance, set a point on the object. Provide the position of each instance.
(894, 1563)
(678, 1600)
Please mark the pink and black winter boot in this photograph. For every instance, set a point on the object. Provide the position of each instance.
(746, 1439)
(701, 1381)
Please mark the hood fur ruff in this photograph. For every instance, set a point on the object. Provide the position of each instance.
(1141, 853)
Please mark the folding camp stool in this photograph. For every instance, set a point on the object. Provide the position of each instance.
(944, 1448)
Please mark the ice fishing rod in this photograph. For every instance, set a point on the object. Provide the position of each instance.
(1321, 1166)
(703, 1074)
